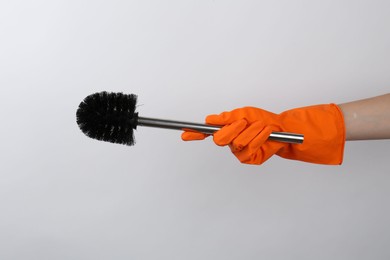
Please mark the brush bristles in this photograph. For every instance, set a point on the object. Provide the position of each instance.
(108, 117)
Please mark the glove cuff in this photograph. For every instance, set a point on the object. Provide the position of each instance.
(324, 130)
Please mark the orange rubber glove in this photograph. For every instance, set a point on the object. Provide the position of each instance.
(247, 129)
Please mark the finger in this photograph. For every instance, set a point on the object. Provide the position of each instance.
(267, 151)
(227, 133)
(192, 136)
(259, 149)
(260, 139)
(246, 136)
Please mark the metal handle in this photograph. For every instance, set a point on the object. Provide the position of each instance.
(210, 129)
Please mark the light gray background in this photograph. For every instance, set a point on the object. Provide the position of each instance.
(65, 196)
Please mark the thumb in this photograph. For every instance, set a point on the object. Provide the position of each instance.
(192, 136)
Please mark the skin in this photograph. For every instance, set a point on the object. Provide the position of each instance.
(367, 119)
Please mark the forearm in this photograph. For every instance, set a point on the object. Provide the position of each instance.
(367, 119)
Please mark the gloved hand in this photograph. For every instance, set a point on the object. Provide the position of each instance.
(246, 130)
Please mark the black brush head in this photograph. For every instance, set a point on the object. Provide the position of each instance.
(108, 117)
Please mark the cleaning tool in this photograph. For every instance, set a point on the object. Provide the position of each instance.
(111, 117)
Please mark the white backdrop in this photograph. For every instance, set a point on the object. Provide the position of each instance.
(66, 196)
